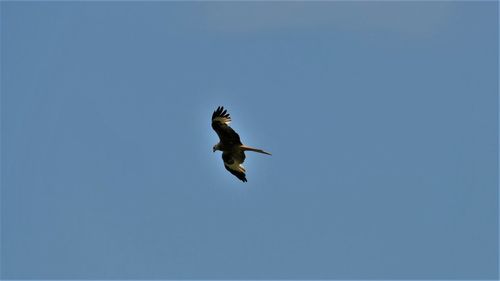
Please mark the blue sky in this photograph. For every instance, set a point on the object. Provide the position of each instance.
(381, 117)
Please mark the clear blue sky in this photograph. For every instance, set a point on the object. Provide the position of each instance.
(381, 117)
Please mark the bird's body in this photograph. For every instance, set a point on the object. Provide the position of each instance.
(233, 151)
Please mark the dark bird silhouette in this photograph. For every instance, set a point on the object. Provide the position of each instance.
(233, 151)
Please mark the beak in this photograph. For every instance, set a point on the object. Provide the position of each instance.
(213, 149)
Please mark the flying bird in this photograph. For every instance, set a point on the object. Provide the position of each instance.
(233, 151)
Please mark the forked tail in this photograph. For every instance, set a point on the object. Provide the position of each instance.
(248, 148)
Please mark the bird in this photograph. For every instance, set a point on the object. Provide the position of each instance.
(233, 151)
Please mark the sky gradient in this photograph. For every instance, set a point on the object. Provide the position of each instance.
(382, 119)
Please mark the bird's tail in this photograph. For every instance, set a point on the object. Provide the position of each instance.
(248, 148)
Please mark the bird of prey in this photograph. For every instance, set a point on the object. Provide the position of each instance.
(233, 151)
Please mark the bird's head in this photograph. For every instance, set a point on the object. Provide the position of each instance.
(216, 147)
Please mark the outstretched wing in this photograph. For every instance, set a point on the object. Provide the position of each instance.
(220, 124)
(232, 163)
